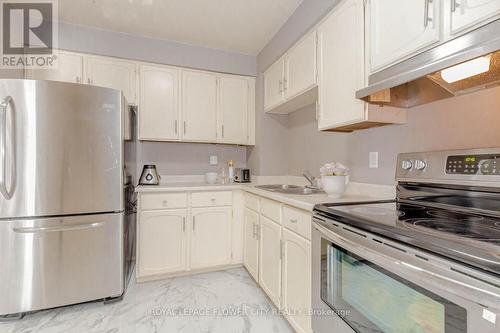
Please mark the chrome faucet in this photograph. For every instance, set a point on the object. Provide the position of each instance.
(311, 179)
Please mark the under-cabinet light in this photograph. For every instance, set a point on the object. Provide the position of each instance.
(466, 69)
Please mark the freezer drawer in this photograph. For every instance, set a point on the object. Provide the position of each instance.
(60, 261)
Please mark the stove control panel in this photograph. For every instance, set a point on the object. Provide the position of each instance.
(473, 165)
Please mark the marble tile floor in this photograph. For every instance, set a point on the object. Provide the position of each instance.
(218, 302)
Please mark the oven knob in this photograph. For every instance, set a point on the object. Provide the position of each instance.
(407, 165)
(420, 165)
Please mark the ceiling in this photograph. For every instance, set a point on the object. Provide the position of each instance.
(243, 26)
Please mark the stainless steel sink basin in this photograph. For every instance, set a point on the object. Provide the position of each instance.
(289, 189)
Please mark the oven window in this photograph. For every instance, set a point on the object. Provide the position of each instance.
(372, 299)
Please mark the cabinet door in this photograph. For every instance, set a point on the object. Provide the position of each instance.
(341, 65)
(297, 279)
(162, 242)
(70, 69)
(112, 73)
(233, 108)
(300, 66)
(199, 106)
(400, 28)
(270, 259)
(273, 85)
(211, 237)
(251, 243)
(472, 13)
(159, 107)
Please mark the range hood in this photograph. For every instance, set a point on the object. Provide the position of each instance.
(462, 65)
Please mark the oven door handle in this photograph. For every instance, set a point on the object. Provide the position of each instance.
(480, 296)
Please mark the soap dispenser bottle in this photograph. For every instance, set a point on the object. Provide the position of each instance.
(230, 171)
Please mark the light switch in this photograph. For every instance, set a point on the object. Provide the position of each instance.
(373, 157)
(214, 160)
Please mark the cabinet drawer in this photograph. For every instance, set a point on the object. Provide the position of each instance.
(212, 199)
(271, 209)
(252, 202)
(298, 221)
(163, 201)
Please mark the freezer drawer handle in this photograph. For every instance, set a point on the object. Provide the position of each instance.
(74, 227)
(3, 148)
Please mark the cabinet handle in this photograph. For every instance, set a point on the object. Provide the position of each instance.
(175, 126)
(164, 203)
(293, 221)
(285, 83)
(257, 231)
(183, 224)
(282, 249)
(454, 5)
(253, 230)
(281, 86)
(427, 19)
(194, 223)
(222, 130)
(89, 81)
(77, 79)
(184, 124)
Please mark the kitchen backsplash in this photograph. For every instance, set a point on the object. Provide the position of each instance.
(173, 158)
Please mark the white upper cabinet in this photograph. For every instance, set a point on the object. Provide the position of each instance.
(273, 85)
(398, 29)
(113, 73)
(289, 81)
(467, 14)
(199, 106)
(159, 103)
(70, 69)
(211, 237)
(341, 66)
(300, 67)
(233, 109)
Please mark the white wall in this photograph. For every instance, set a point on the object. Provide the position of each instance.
(270, 155)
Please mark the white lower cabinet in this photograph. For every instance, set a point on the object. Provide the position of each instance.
(211, 237)
(175, 237)
(270, 259)
(161, 242)
(251, 243)
(296, 299)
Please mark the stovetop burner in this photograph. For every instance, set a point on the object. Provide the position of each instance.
(457, 228)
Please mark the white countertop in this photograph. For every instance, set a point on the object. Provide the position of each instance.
(356, 192)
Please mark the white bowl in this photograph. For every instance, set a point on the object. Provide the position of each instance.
(211, 177)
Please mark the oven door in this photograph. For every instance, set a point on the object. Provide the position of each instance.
(366, 284)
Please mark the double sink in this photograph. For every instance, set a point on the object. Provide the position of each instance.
(290, 189)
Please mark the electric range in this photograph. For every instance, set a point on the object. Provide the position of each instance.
(429, 261)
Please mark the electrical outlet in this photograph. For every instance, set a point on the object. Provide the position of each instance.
(214, 160)
(373, 157)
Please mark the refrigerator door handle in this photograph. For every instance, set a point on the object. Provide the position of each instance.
(3, 148)
(81, 226)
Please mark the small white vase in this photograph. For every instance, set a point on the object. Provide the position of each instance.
(335, 186)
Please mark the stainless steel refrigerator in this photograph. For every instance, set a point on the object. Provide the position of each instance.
(62, 194)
